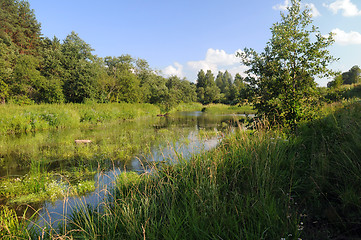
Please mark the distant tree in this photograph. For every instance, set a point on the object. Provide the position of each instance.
(227, 80)
(352, 76)
(122, 84)
(239, 82)
(26, 78)
(181, 90)
(80, 81)
(7, 62)
(220, 82)
(201, 84)
(336, 82)
(211, 91)
(19, 26)
(282, 77)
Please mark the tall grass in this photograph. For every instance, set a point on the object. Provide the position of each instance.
(241, 190)
(256, 185)
(227, 109)
(20, 119)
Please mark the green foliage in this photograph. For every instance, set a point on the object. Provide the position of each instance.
(207, 90)
(19, 26)
(21, 119)
(352, 76)
(12, 226)
(336, 83)
(282, 77)
(42, 186)
(79, 77)
(226, 109)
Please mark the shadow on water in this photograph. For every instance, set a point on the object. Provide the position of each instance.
(117, 147)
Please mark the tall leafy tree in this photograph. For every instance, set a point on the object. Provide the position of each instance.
(201, 85)
(211, 91)
(19, 25)
(282, 77)
(352, 76)
(7, 61)
(219, 81)
(122, 84)
(26, 78)
(51, 90)
(80, 80)
(227, 80)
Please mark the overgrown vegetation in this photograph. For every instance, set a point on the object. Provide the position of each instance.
(296, 174)
(227, 109)
(24, 119)
(260, 184)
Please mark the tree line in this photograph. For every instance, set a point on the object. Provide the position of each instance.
(36, 69)
(280, 81)
(352, 76)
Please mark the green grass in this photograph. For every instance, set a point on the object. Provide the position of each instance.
(225, 194)
(258, 184)
(227, 109)
(187, 107)
(22, 119)
(12, 226)
(45, 186)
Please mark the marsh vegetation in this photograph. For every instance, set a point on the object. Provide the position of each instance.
(152, 164)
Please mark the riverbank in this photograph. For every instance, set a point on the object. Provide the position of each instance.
(39, 166)
(255, 185)
(32, 118)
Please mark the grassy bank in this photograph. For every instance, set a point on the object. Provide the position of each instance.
(31, 118)
(21, 119)
(227, 109)
(256, 185)
(31, 164)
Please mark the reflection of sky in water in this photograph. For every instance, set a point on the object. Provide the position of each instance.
(53, 212)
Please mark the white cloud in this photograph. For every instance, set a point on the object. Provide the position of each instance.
(215, 60)
(314, 11)
(347, 8)
(282, 7)
(176, 70)
(344, 38)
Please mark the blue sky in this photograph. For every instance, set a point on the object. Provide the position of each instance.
(179, 37)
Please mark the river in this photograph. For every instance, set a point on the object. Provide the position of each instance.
(115, 147)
